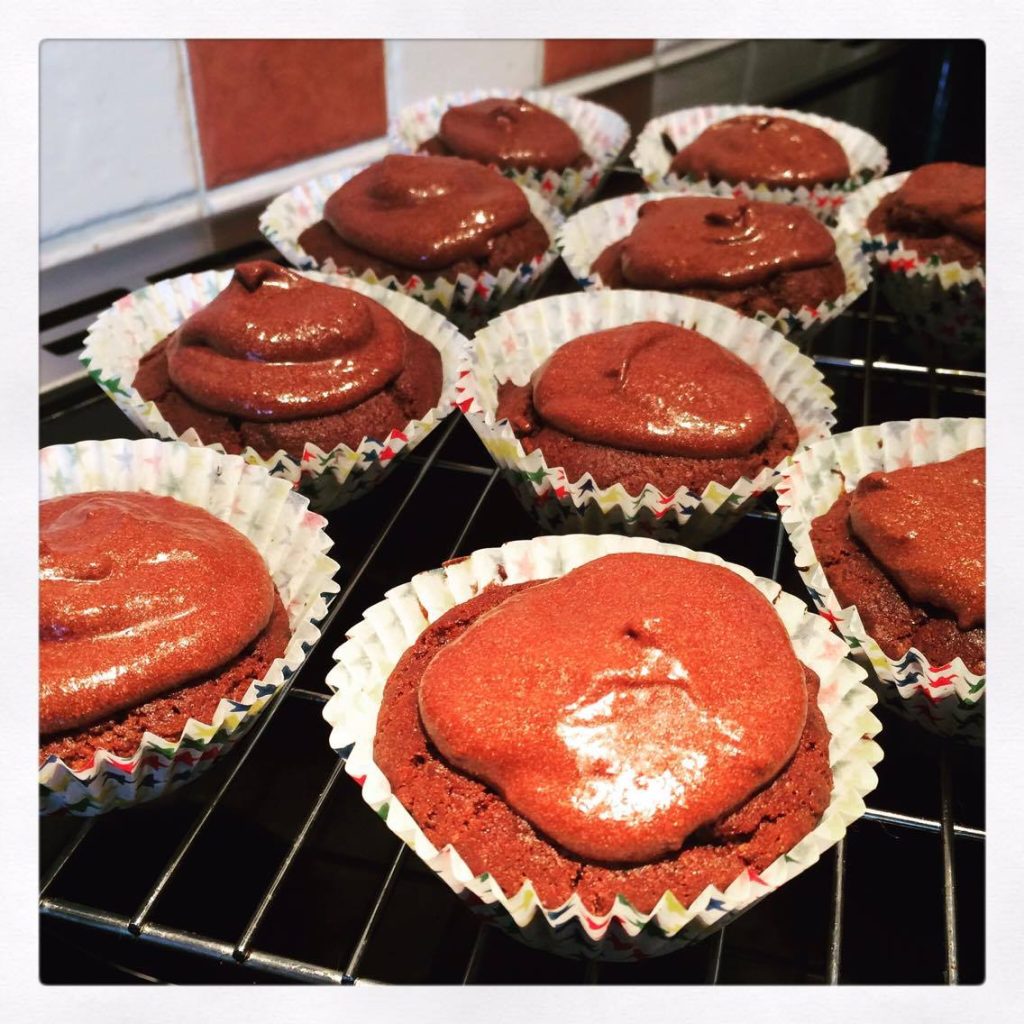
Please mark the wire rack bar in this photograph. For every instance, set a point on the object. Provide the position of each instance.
(835, 940)
(948, 872)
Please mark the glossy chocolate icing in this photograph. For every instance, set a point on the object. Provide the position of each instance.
(696, 241)
(274, 345)
(426, 212)
(925, 525)
(762, 149)
(621, 731)
(942, 197)
(510, 133)
(654, 387)
(138, 594)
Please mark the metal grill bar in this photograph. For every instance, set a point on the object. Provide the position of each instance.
(835, 941)
(137, 920)
(715, 959)
(188, 942)
(921, 824)
(948, 874)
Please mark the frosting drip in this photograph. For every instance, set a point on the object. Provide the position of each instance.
(654, 387)
(621, 731)
(696, 241)
(765, 150)
(138, 594)
(426, 212)
(945, 196)
(511, 133)
(274, 345)
(926, 526)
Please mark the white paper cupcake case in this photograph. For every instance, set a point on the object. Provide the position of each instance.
(867, 157)
(513, 345)
(134, 324)
(945, 698)
(469, 301)
(945, 301)
(584, 236)
(602, 132)
(293, 544)
(376, 643)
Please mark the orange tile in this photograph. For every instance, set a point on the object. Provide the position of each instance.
(263, 103)
(565, 58)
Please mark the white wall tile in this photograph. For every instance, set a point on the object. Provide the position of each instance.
(114, 130)
(417, 68)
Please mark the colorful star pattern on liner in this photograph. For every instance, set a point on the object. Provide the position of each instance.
(946, 698)
(286, 533)
(571, 929)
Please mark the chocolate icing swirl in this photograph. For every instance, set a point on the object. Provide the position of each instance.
(426, 212)
(277, 346)
(655, 387)
(926, 526)
(762, 149)
(138, 594)
(621, 731)
(696, 241)
(511, 133)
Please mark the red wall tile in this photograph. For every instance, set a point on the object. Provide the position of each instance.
(263, 103)
(565, 58)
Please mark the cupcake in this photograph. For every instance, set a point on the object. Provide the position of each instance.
(782, 156)
(640, 411)
(322, 380)
(557, 145)
(611, 785)
(888, 524)
(179, 589)
(776, 263)
(926, 232)
(448, 231)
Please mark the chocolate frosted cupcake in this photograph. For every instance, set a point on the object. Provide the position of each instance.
(925, 232)
(777, 263)
(151, 612)
(509, 133)
(780, 156)
(321, 379)
(888, 525)
(556, 145)
(617, 783)
(641, 412)
(649, 403)
(938, 211)
(752, 257)
(763, 149)
(277, 360)
(428, 218)
(179, 589)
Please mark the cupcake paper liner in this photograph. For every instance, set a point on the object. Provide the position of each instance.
(513, 345)
(945, 301)
(293, 544)
(945, 698)
(468, 301)
(584, 236)
(377, 642)
(124, 333)
(867, 156)
(602, 132)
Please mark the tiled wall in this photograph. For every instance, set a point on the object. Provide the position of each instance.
(137, 135)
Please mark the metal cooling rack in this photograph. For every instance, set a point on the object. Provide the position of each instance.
(268, 868)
